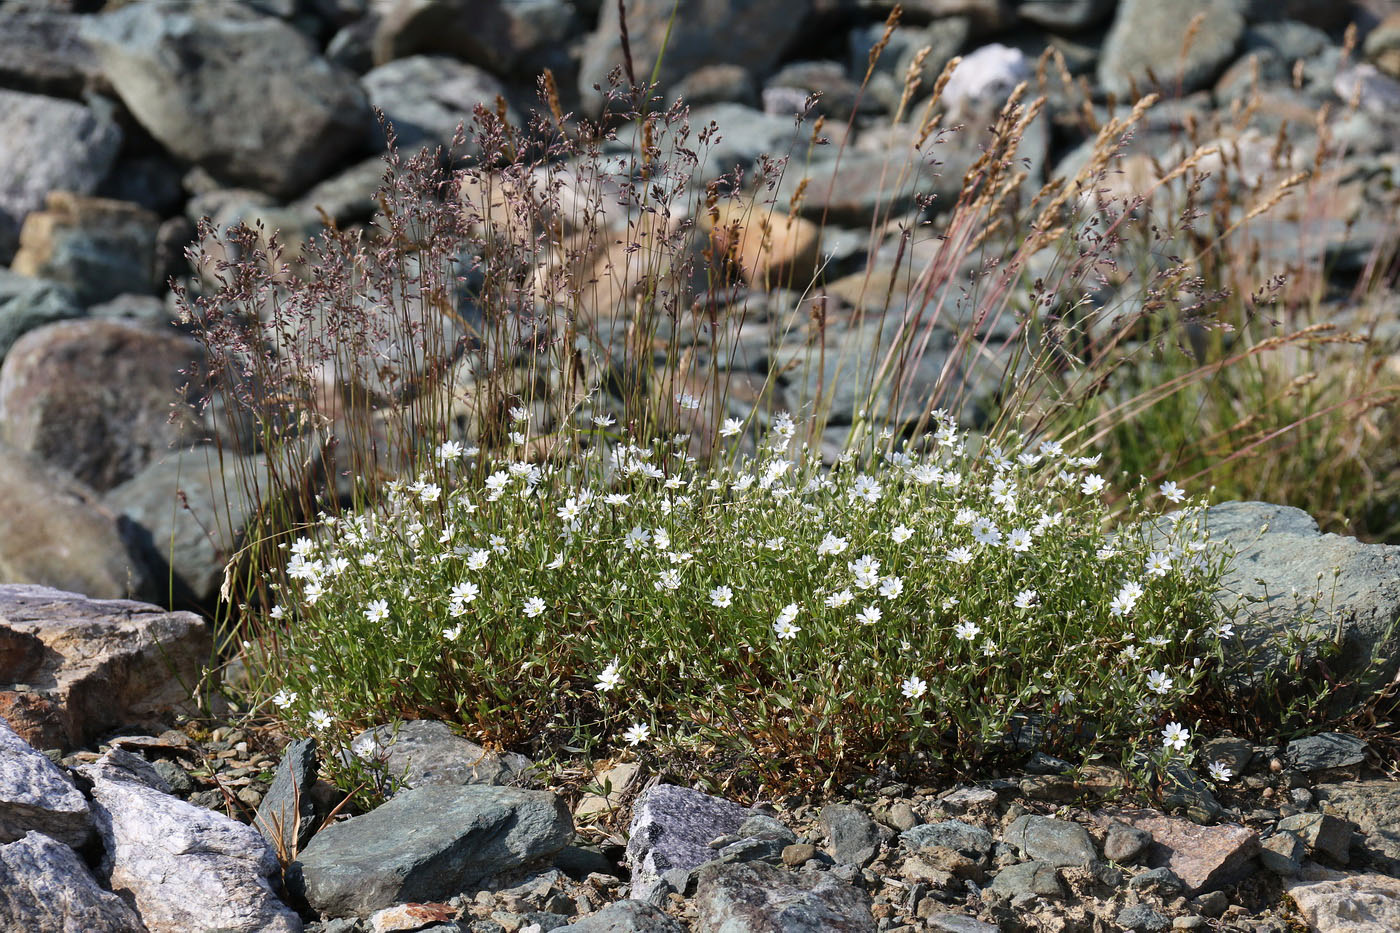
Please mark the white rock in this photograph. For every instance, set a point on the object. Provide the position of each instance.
(45, 888)
(986, 77)
(185, 867)
(35, 795)
(1354, 904)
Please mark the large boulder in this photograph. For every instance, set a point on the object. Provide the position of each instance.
(96, 396)
(1148, 35)
(97, 247)
(759, 898)
(98, 664)
(507, 36)
(46, 888)
(706, 32)
(46, 145)
(427, 844)
(426, 97)
(36, 797)
(672, 828)
(244, 95)
(185, 867)
(42, 53)
(1282, 561)
(55, 532)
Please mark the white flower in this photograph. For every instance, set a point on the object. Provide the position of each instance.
(831, 544)
(660, 539)
(1224, 631)
(1093, 483)
(866, 570)
(1221, 772)
(453, 633)
(608, 678)
(967, 630)
(1051, 448)
(1130, 653)
(604, 420)
(284, 698)
(276, 612)
(557, 563)
(636, 538)
(891, 587)
(570, 510)
(638, 734)
(731, 427)
(837, 600)
(669, 580)
(721, 597)
(1026, 599)
(869, 615)
(984, 532)
(687, 401)
(1159, 564)
(965, 517)
(617, 498)
(1158, 641)
(784, 627)
(1175, 736)
(377, 610)
(960, 555)
(901, 533)
(1019, 540)
(1158, 682)
(533, 606)
(477, 559)
(866, 488)
(313, 592)
(1171, 491)
(320, 719)
(519, 413)
(448, 451)
(1125, 599)
(913, 688)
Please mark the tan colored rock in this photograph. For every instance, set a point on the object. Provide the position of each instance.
(410, 917)
(98, 247)
(614, 782)
(1355, 904)
(105, 663)
(771, 247)
(1204, 857)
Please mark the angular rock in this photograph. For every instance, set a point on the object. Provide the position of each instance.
(46, 888)
(97, 247)
(852, 837)
(41, 52)
(1203, 857)
(1325, 751)
(1282, 853)
(36, 797)
(672, 828)
(1065, 15)
(1038, 878)
(95, 397)
(27, 303)
(1123, 843)
(55, 532)
(759, 898)
(985, 78)
(747, 134)
(1056, 842)
(287, 814)
(426, 97)
(184, 867)
(244, 95)
(506, 36)
(413, 917)
(1286, 559)
(1141, 918)
(613, 784)
(427, 844)
(105, 663)
(187, 512)
(1374, 806)
(46, 145)
(1354, 904)
(1324, 834)
(1148, 35)
(972, 841)
(726, 32)
(624, 917)
(423, 752)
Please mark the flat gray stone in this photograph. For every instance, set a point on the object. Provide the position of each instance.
(972, 841)
(852, 836)
(427, 844)
(1374, 806)
(759, 898)
(624, 917)
(36, 796)
(424, 751)
(46, 888)
(672, 828)
(1325, 751)
(1056, 842)
(287, 814)
(1148, 34)
(1038, 878)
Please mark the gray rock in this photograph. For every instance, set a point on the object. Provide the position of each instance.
(759, 898)
(1184, 790)
(241, 94)
(1286, 559)
(1325, 751)
(348, 197)
(46, 888)
(424, 751)
(1374, 806)
(672, 828)
(762, 826)
(35, 795)
(751, 850)
(187, 512)
(1282, 853)
(1055, 842)
(55, 532)
(1324, 834)
(1141, 918)
(1352, 904)
(1160, 881)
(97, 247)
(746, 134)
(94, 397)
(48, 145)
(287, 814)
(427, 844)
(624, 917)
(41, 52)
(104, 663)
(852, 837)
(184, 867)
(1037, 878)
(727, 32)
(426, 97)
(1124, 844)
(27, 303)
(507, 36)
(972, 841)
(1065, 15)
(1147, 35)
(175, 776)
(959, 923)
